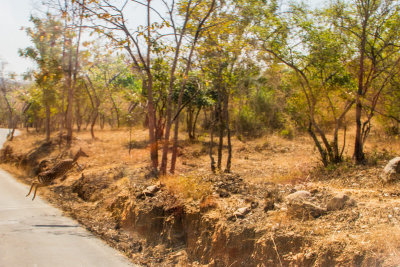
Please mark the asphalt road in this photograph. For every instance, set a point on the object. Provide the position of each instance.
(33, 233)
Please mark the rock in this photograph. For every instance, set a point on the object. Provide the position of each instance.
(241, 213)
(339, 201)
(300, 205)
(151, 190)
(391, 171)
(299, 195)
(303, 209)
(148, 192)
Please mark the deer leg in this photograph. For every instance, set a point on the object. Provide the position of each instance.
(78, 167)
(30, 190)
(36, 188)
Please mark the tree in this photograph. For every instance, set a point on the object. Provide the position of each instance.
(4, 88)
(46, 53)
(318, 57)
(373, 27)
(73, 21)
(141, 46)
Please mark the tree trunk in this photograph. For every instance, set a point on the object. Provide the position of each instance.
(102, 121)
(73, 70)
(228, 130)
(358, 145)
(189, 123)
(221, 130)
(195, 123)
(212, 161)
(48, 122)
(322, 152)
(152, 124)
(95, 115)
(183, 85)
(78, 117)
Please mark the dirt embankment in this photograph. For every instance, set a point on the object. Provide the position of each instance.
(338, 217)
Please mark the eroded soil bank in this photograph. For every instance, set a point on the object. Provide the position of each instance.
(302, 215)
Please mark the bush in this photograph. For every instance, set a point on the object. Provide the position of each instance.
(261, 113)
(247, 123)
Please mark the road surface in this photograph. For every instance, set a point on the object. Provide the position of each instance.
(33, 233)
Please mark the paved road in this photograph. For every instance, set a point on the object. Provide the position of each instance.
(33, 233)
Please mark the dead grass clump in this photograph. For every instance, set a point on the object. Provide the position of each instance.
(188, 187)
(384, 241)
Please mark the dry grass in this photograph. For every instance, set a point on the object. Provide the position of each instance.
(187, 187)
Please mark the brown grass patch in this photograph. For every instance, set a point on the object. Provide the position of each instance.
(186, 186)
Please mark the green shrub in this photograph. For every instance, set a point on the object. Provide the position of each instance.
(247, 123)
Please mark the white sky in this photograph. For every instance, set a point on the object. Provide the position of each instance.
(15, 14)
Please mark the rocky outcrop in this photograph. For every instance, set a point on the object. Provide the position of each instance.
(391, 172)
(300, 205)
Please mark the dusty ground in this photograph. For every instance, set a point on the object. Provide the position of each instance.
(241, 219)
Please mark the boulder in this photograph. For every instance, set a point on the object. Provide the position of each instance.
(150, 191)
(391, 172)
(339, 201)
(299, 195)
(300, 205)
(240, 213)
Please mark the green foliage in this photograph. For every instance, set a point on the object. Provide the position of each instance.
(247, 122)
(260, 114)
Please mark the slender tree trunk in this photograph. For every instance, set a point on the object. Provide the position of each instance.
(228, 130)
(102, 121)
(150, 98)
(114, 104)
(221, 130)
(322, 152)
(189, 123)
(78, 116)
(183, 85)
(164, 161)
(95, 115)
(358, 146)
(74, 72)
(212, 161)
(195, 123)
(48, 122)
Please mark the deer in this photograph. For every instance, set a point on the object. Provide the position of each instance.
(46, 178)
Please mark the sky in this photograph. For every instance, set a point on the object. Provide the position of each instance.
(15, 14)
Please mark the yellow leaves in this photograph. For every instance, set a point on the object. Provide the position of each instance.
(122, 42)
(41, 38)
(104, 16)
